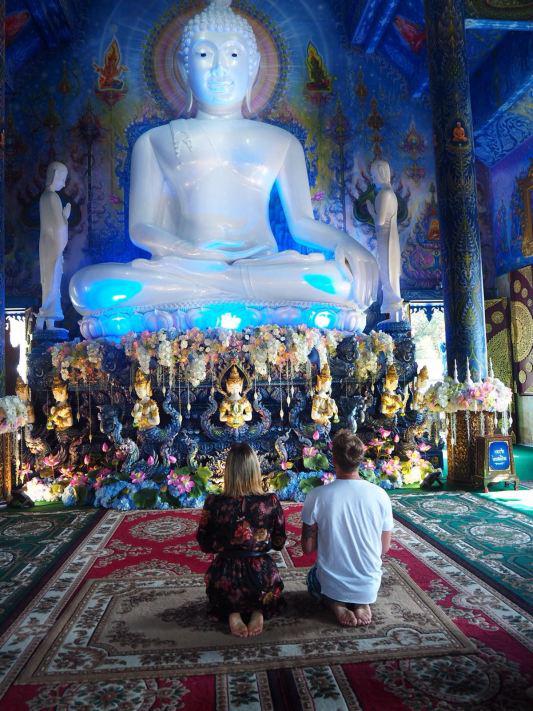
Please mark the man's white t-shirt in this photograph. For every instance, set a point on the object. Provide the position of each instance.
(351, 515)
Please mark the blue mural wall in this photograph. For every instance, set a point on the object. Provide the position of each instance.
(512, 248)
(86, 103)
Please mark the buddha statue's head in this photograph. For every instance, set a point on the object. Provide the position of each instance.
(423, 377)
(323, 380)
(142, 384)
(234, 382)
(56, 175)
(59, 389)
(218, 58)
(380, 172)
(391, 379)
(22, 390)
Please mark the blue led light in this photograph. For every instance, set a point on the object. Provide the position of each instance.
(110, 292)
(323, 319)
(321, 282)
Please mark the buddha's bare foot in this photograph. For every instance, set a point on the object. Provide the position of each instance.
(363, 614)
(345, 617)
(237, 626)
(255, 626)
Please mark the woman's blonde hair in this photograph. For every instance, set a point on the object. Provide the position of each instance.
(242, 474)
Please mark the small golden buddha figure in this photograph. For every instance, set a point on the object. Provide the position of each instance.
(145, 412)
(391, 402)
(324, 408)
(60, 416)
(22, 390)
(459, 134)
(235, 409)
(421, 387)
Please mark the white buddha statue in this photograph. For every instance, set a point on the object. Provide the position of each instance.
(199, 199)
(52, 242)
(384, 214)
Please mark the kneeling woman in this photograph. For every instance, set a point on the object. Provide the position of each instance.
(241, 526)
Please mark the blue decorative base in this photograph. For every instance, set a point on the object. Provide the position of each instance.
(224, 314)
(394, 328)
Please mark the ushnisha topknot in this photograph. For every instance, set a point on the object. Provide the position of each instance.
(219, 17)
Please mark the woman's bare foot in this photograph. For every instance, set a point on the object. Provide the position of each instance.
(345, 617)
(363, 614)
(255, 626)
(237, 626)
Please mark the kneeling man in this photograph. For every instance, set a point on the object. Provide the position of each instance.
(349, 523)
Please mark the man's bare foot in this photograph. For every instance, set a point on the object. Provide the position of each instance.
(255, 626)
(363, 614)
(345, 617)
(237, 626)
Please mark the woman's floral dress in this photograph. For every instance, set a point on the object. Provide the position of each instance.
(247, 523)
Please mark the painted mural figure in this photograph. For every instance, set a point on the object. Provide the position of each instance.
(109, 74)
(384, 214)
(199, 197)
(459, 134)
(52, 242)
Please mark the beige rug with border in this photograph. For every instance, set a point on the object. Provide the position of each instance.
(144, 627)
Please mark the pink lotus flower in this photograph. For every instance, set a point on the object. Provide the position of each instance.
(391, 467)
(424, 447)
(150, 461)
(328, 478)
(384, 433)
(396, 438)
(79, 479)
(172, 459)
(368, 464)
(185, 484)
(137, 477)
(286, 465)
(51, 460)
(375, 442)
(105, 447)
(310, 451)
(86, 459)
(316, 435)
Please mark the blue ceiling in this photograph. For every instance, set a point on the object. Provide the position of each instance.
(500, 56)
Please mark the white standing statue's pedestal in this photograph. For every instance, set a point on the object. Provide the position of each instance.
(199, 197)
(385, 213)
(52, 242)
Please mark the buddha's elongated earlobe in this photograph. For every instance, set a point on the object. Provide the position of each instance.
(182, 77)
(248, 100)
(189, 100)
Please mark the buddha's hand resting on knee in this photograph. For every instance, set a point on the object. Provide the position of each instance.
(358, 264)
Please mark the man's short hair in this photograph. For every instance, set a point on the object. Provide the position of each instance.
(348, 450)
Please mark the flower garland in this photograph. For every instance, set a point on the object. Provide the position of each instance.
(13, 414)
(195, 353)
(450, 396)
(79, 360)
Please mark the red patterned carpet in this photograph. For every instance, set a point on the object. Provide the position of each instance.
(145, 550)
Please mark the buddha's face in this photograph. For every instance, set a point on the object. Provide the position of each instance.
(234, 389)
(143, 389)
(60, 393)
(218, 69)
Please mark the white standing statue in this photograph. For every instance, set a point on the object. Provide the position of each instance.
(389, 255)
(52, 242)
(199, 199)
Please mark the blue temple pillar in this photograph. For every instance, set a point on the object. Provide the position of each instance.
(456, 186)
